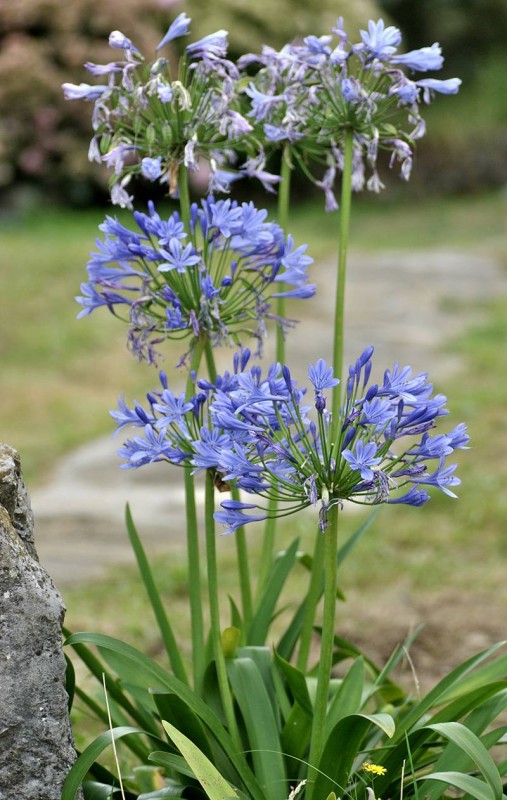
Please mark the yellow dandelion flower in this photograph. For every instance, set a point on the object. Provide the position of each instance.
(374, 769)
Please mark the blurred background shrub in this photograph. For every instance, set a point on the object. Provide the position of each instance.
(466, 146)
(44, 139)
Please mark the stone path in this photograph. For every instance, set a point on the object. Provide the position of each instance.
(408, 304)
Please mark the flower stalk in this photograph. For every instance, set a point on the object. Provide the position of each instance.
(339, 320)
(312, 601)
(327, 641)
(240, 537)
(216, 639)
(268, 544)
(193, 552)
(331, 532)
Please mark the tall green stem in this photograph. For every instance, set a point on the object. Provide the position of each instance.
(193, 555)
(239, 536)
(283, 220)
(327, 642)
(339, 320)
(331, 533)
(312, 600)
(216, 639)
(268, 544)
(243, 568)
(184, 196)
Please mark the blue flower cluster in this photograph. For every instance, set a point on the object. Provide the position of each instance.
(257, 434)
(216, 279)
(147, 119)
(308, 94)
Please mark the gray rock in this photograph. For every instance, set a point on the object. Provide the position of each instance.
(36, 747)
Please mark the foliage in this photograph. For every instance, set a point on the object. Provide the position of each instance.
(422, 744)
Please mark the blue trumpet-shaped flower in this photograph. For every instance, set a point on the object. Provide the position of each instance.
(311, 95)
(216, 278)
(254, 431)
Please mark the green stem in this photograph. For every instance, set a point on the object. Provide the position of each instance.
(331, 533)
(244, 569)
(327, 641)
(184, 198)
(216, 639)
(239, 536)
(339, 321)
(312, 601)
(210, 361)
(194, 581)
(268, 544)
(193, 555)
(283, 219)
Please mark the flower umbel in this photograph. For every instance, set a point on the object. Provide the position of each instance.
(214, 279)
(308, 95)
(256, 433)
(161, 115)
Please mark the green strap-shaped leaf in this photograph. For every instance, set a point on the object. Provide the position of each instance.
(295, 738)
(466, 783)
(289, 639)
(490, 702)
(215, 786)
(87, 758)
(347, 699)
(356, 537)
(151, 674)
(297, 683)
(267, 602)
(341, 749)
(164, 625)
(114, 690)
(468, 742)
(453, 681)
(260, 724)
(236, 620)
(172, 763)
(93, 790)
(173, 709)
(495, 670)
(467, 703)
(163, 794)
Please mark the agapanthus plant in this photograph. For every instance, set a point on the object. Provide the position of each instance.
(151, 117)
(256, 433)
(215, 278)
(308, 95)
